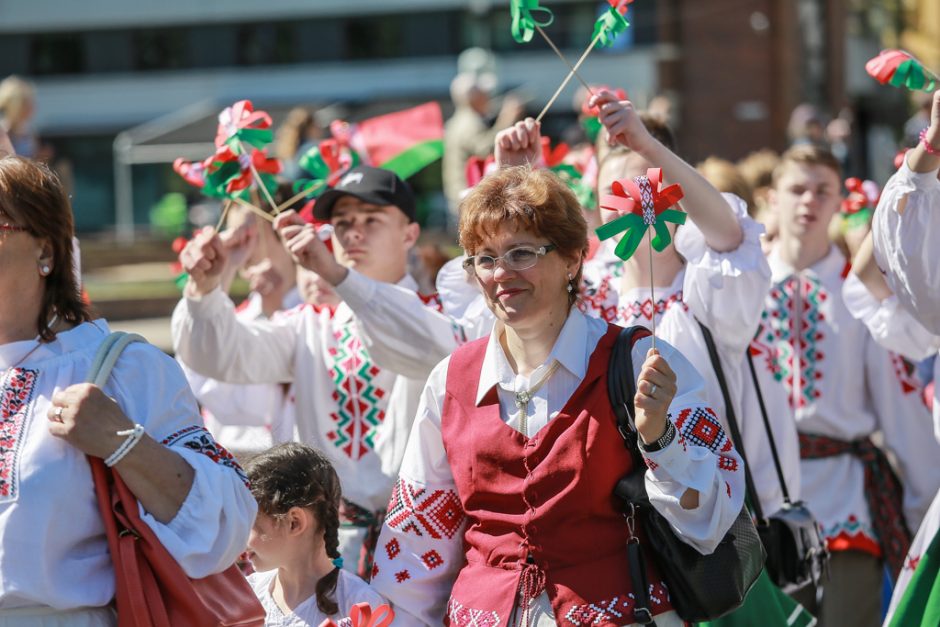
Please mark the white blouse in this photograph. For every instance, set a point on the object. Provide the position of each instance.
(53, 549)
(905, 231)
(432, 563)
(350, 590)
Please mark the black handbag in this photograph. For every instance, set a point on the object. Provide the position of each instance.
(796, 553)
(701, 587)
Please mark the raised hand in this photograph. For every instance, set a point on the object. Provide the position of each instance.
(621, 121)
(307, 249)
(520, 144)
(655, 389)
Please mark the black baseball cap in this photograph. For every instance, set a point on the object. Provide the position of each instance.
(372, 185)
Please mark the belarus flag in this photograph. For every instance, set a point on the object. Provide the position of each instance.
(404, 142)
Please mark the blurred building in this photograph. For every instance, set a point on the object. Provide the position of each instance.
(732, 69)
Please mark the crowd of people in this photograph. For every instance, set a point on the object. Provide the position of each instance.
(454, 455)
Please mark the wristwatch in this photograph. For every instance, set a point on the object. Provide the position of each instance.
(664, 440)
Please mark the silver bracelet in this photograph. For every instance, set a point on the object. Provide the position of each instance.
(133, 437)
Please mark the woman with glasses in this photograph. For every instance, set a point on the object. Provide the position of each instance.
(503, 512)
(56, 569)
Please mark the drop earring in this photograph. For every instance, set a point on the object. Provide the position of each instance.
(570, 286)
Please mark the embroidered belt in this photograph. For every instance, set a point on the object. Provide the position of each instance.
(352, 515)
(883, 491)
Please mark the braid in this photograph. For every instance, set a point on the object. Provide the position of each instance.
(295, 475)
(328, 515)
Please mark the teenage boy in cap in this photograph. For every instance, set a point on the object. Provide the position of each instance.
(359, 369)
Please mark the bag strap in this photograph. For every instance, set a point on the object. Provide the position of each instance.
(770, 433)
(732, 419)
(111, 348)
(621, 388)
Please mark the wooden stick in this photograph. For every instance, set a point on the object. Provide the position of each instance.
(247, 205)
(564, 60)
(257, 177)
(568, 78)
(649, 234)
(302, 193)
(226, 205)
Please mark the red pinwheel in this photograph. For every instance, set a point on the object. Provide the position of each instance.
(641, 204)
(901, 69)
(553, 157)
(193, 172)
(241, 124)
(327, 162)
(264, 165)
(861, 201)
(362, 615)
(477, 168)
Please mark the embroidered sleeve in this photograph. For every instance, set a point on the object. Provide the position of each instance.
(700, 458)
(212, 526)
(420, 549)
(401, 332)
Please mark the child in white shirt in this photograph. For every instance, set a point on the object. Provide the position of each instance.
(294, 542)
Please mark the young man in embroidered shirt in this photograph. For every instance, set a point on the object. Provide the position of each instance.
(843, 387)
(359, 369)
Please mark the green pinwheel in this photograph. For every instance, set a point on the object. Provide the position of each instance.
(641, 204)
(901, 69)
(524, 22)
(612, 23)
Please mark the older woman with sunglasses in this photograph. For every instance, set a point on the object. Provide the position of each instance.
(54, 559)
(503, 512)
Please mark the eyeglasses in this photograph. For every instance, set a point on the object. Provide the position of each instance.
(12, 228)
(516, 259)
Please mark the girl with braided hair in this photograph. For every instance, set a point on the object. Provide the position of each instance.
(294, 543)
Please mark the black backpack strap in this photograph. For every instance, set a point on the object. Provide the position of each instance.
(732, 419)
(770, 433)
(621, 386)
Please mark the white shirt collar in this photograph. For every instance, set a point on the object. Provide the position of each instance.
(832, 263)
(569, 351)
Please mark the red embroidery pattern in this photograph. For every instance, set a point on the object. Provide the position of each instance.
(461, 616)
(360, 404)
(375, 570)
(15, 402)
(781, 319)
(912, 562)
(638, 310)
(433, 301)
(906, 374)
(701, 427)
(616, 609)
(432, 559)
(402, 576)
(417, 510)
(598, 300)
(196, 438)
(392, 549)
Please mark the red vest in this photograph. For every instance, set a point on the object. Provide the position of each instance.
(540, 510)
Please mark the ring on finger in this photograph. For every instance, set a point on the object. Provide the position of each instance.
(653, 389)
(57, 414)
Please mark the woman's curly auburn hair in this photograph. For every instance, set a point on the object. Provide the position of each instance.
(33, 197)
(296, 475)
(526, 199)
